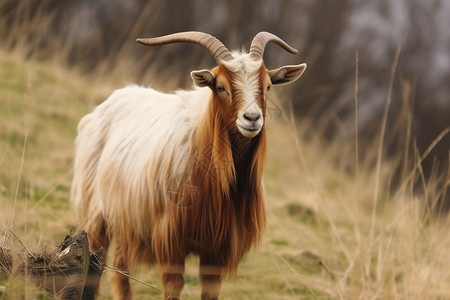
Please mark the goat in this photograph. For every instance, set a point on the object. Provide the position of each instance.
(159, 176)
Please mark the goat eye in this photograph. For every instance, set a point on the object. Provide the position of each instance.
(220, 89)
(268, 88)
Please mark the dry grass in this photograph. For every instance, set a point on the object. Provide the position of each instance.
(336, 228)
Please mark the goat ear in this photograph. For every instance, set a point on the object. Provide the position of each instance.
(286, 74)
(203, 78)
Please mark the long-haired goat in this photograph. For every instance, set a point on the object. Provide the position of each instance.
(159, 176)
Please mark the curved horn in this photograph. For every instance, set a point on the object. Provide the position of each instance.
(260, 41)
(212, 44)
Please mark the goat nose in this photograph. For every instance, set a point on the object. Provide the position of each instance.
(252, 116)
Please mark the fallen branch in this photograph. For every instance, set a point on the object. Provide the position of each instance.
(69, 272)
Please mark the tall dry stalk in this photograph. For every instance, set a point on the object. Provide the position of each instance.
(380, 153)
(356, 115)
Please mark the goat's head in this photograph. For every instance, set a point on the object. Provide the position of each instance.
(240, 82)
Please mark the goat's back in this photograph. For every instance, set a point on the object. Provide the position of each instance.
(127, 148)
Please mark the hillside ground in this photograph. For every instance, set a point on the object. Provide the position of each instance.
(336, 230)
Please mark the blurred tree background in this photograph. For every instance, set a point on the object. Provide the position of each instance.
(331, 36)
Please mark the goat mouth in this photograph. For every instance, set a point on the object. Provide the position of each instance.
(249, 131)
(250, 128)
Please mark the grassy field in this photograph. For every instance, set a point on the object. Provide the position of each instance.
(335, 228)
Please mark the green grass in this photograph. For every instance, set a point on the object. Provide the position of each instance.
(325, 237)
(40, 108)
